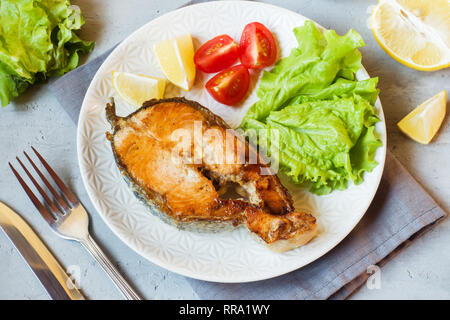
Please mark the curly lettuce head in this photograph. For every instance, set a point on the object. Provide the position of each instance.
(317, 120)
(37, 41)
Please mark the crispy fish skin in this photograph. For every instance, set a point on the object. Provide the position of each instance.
(184, 192)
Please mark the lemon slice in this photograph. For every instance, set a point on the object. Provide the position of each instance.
(423, 122)
(176, 59)
(416, 33)
(135, 89)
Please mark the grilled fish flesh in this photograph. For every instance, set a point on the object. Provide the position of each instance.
(177, 157)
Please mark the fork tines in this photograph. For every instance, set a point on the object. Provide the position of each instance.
(53, 209)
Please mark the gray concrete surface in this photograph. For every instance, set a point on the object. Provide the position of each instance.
(421, 271)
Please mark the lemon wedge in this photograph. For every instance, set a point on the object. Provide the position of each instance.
(416, 33)
(423, 122)
(176, 59)
(135, 89)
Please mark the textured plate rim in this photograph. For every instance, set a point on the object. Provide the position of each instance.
(185, 272)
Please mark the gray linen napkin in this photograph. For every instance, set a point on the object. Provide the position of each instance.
(400, 212)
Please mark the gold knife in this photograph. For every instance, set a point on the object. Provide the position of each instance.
(47, 269)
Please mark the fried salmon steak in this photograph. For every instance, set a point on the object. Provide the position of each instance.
(177, 156)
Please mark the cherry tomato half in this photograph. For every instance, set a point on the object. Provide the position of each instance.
(217, 54)
(257, 46)
(229, 86)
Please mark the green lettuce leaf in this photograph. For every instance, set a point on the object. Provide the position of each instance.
(313, 116)
(37, 40)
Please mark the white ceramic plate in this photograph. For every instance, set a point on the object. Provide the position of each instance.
(226, 257)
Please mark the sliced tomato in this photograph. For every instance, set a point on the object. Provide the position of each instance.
(217, 54)
(257, 46)
(229, 86)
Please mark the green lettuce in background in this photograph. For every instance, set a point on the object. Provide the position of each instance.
(321, 116)
(37, 40)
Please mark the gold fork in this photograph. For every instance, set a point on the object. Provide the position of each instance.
(67, 217)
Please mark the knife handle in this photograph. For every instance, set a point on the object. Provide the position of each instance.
(109, 268)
